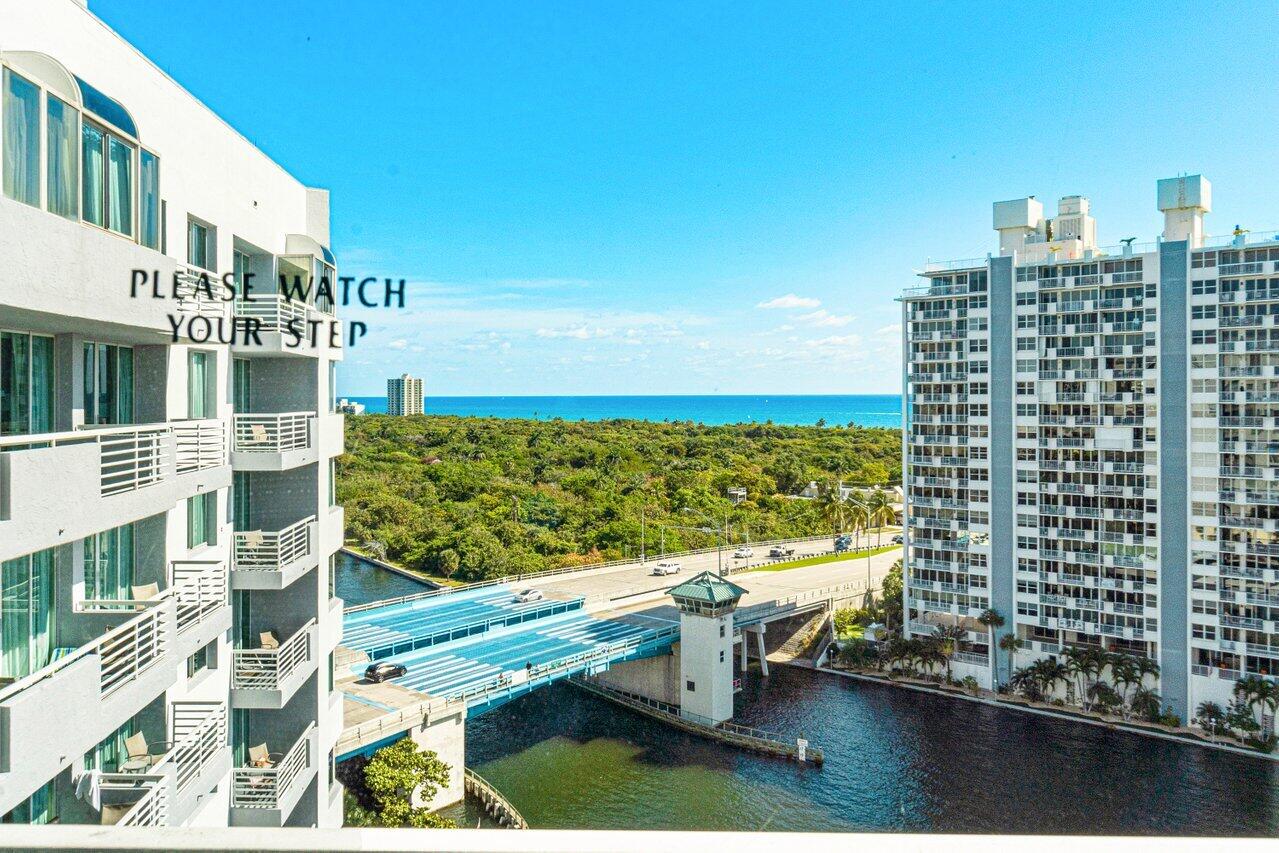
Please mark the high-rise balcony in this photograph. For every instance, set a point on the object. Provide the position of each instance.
(267, 677)
(274, 442)
(273, 559)
(266, 795)
(105, 477)
(68, 706)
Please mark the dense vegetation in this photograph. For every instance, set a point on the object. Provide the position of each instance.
(482, 497)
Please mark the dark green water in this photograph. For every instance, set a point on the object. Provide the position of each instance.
(895, 761)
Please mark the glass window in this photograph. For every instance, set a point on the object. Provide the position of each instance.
(149, 194)
(63, 166)
(110, 753)
(26, 383)
(26, 613)
(21, 143)
(120, 186)
(199, 385)
(108, 384)
(197, 244)
(92, 175)
(198, 662)
(109, 562)
(241, 377)
(201, 523)
(240, 485)
(39, 808)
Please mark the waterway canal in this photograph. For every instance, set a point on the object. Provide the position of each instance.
(895, 761)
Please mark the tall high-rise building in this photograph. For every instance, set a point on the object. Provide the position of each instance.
(1091, 439)
(404, 396)
(167, 521)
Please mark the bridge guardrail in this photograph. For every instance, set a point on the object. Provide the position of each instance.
(568, 570)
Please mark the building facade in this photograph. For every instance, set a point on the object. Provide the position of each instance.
(167, 521)
(1088, 444)
(404, 396)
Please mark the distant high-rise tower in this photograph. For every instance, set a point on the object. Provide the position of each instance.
(1091, 446)
(404, 396)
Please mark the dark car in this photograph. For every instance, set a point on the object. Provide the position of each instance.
(378, 672)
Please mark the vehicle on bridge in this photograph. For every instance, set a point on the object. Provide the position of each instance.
(781, 551)
(843, 543)
(743, 554)
(667, 567)
(897, 539)
(379, 672)
(526, 595)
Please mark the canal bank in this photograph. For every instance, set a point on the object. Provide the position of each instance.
(895, 761)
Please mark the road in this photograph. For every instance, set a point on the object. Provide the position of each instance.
(618, 587)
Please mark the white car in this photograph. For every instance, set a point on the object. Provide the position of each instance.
(743, 554)
(526, 595)
(666, 567)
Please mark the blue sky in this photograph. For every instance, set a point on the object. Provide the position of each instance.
(596, 198)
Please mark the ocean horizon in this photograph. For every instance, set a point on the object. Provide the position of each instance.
(866, 410)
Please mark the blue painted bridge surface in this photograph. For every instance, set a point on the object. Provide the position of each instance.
(482, 646)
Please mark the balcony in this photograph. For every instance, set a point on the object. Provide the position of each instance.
(266, 796)
(105, 477)
(274, 442)
(284, 327)
(268, 677)
(273, 559)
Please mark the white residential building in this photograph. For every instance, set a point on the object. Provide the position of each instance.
(404, 396)
(1090, 441)
(166, 504)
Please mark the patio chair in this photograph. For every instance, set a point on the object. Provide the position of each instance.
(144, 592)
(141, 755)
(257, 435)
(113, 812)
(267, 640)
(252, 539)
(261, 756)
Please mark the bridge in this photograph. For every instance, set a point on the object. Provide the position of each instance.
(470, 650)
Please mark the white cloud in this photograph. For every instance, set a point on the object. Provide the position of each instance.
(790, 300)
(890, 331)
(399, 343)
(822, 317)
(702, 345)
(836, 341)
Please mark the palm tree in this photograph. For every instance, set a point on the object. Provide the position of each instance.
(1009, 643)
(992, 619)
(1093, 664)
(1146, 667)
(1210, 716)
(1147, 703)
(1052, 671)
(879, 511)
(1123, 672)
(858, 515)
(1256, 692)
(948, 639)
(1075, 659)
(831, 506)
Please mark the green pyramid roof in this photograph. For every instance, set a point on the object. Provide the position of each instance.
(708, 587)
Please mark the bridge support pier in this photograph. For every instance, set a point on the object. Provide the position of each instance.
(758, 631)
(445, 735)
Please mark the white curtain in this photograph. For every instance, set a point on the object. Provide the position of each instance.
(21, 139)
(63, 153)
(120, 187)
(93, 174)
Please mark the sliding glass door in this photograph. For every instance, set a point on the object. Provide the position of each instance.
(200, 397)
(26, 613)
(26, 383)
(108, 384)
(109, 561)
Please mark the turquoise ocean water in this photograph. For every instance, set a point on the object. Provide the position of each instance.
(870, 410)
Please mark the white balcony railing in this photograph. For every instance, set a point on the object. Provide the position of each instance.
(199, 732)
(130, 457)
(199, 445)
(274, 433)
(198, 291)
(267, 787)
(200, 590)
(151, 809)
(275, 312)
(129, 650)
(268, 669)
(272, 550)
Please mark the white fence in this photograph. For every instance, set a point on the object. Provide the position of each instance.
(200, 589)
(267, 669)
(273, 433)
(199, 731)
(266, 787)
(199, 445)
(275, 312)
(272, 550)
